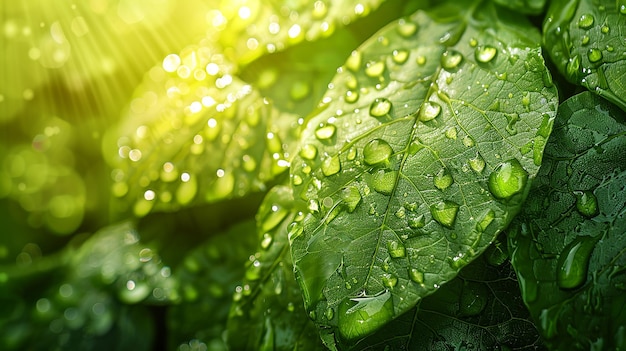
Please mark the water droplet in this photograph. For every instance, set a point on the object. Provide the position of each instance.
(377, 151)
(396, 249)
(223, 185)
(266, 241)
(406, 28)
(389, 280)
(443, 179)
(351, 197)
(400, 213)
(508, 179)
(384, 181)
(400, 56)
(586, 203)
(622, 9)
(468, 141)
(473, 299)
(354, 61)
(485, 53)
(294, 230)
(451, 133)
(445, 212)
(325, 132)
(429, 111)
(594, 55)
(416, 275)
(361, 316)
(351, 154)
(605, 29)
(380, 107)
(485, 220)
(573, 262)
(584, 40)
(319, 10)
(331, 165)
(586, 21)
(451, 59)
(512, 119)
(374, 68)
(308, 151)
(351, 96)
(330, 313)
(416, 222)
(134, 292)
(254, 271)
(477, 163)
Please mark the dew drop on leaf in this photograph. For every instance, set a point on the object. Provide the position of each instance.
(445, 212)
(380, 107)
(586, 203)
(574, 261)
(377, 151)
(429, 111)
(416, 222)
(325, 132)
(586, 21)
(594, 55)
(384, 181)
(406, 28)
(351, 96)
(400, 56)
(477, 163)
(308, 152)
(451, 59)
(331, 165)
(508, 179)
(374, 68)
(351, 197)
(485, 53)
(354, 61)
(330, 313)
(389, 280)
(396, 249)
(443, 179)
(360, 316)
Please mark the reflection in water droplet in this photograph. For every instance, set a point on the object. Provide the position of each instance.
(594, 55)
(573, 262)
(331, 165)
(380, 107)
(376, 151)
(361, 316)
(586, 21)
(485, 53)
(325, 132)
(443, 179)
(445, 213)
(451, 59)
(508, 179)
(396, 249)
(587, 203)
(429, 111)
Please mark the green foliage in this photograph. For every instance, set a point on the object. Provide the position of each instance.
(311, 175)
(568, 246)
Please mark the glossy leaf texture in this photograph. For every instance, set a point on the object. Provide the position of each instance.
(586, 41)
(568, 247)
(195, 133)
(254, 28)
(267, 311)
(417, 157)
(207, 276)
(531, 7)
(480, 309)
(88, 297)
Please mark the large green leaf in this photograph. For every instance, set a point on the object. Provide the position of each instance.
(417, 157)
(585, 39)
(531, 7)
(195, 133)
(480, 309)
(568, 245)
(268, 312)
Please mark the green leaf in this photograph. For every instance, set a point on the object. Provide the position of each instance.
(586, 42)
(480, 309)
(531, 7)
(268, 312)
(195, 133)
(254, 28)
(207, 277)
(568, 247)
(412, 179)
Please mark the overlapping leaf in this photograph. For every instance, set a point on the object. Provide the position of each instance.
(417, 157)
(480, 309)
(586, 41)
(268, 312)
(568, 245)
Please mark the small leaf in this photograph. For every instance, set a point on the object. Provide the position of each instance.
(267, 310)
(567, 246)
(586, 42)
(424, 209)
